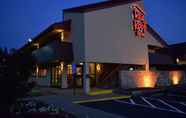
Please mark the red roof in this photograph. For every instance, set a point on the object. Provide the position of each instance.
(100, 5)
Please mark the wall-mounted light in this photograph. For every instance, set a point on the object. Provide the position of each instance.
(29, 40)
(176, 77)
(59, 30)
(131, 69)
(61, 66)
(98, 67)
(177, 60)
(62, 36)
(147, 80)
(80, 63)
(37, 70)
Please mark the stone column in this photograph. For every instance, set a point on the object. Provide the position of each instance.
(86, 79)
(64, 83)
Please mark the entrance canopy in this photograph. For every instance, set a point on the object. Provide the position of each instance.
(54, 51)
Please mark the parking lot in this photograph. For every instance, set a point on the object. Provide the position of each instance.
(171, 106)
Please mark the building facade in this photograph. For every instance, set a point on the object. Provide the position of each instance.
(106, 45)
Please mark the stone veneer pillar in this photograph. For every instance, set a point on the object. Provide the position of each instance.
(86, 79)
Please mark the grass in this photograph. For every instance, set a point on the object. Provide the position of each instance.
(35, 93)
(99, 92)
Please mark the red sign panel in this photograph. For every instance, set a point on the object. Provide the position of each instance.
(139, 23)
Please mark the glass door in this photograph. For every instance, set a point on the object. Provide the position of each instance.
(56, 76)
(79, 76)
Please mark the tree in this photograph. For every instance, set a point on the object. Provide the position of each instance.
(15, 70)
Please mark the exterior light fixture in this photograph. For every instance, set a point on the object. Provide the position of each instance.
(59, 30)
(147, 81)
(176, 77)
(177, 60)
(98, 67)
(61, 66)
(37, 70)
(80, 63)
(131, 69)
(29, 40)
(62, 36)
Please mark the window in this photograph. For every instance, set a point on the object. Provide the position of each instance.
(62, 36)
(69, 71)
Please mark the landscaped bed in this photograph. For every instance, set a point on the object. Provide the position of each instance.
(37, 109)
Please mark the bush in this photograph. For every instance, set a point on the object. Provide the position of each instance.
(15, 70)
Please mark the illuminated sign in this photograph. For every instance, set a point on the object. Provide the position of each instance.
(139, 23)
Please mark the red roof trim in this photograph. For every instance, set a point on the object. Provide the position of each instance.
(100, 5)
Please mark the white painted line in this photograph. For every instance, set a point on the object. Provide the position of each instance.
(122, 101)
(171, 106)
(161, 109)
(132, 101)
(148, 102)
(159, 98)
(182, 103)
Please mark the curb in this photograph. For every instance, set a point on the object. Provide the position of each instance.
(102, 99)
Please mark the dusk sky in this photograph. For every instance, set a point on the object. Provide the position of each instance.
(23, 19)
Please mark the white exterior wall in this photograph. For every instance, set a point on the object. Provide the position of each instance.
(77, 34)
(106, 36)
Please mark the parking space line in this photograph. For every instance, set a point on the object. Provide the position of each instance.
(122, 101)
(182, 103)
(132, 101)
(171, 106)
(162, 109)
(148, 102)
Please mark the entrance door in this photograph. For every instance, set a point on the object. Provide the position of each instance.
(56, 76)
(79, 77)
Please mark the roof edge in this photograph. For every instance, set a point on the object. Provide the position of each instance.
(156, 35)
(99, 5)
(56, 25)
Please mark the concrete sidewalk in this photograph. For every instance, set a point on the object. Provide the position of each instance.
(65, 98)
(78, 96)
(76, 109)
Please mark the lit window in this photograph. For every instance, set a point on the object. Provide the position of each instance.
(36, 45)
(62, 34)
(69, 69)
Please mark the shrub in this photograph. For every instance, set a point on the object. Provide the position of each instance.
(15, 70)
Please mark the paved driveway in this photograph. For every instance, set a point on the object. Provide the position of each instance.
(141, 107)
(76, 109)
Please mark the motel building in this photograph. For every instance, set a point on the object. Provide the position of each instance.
(106, 45)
